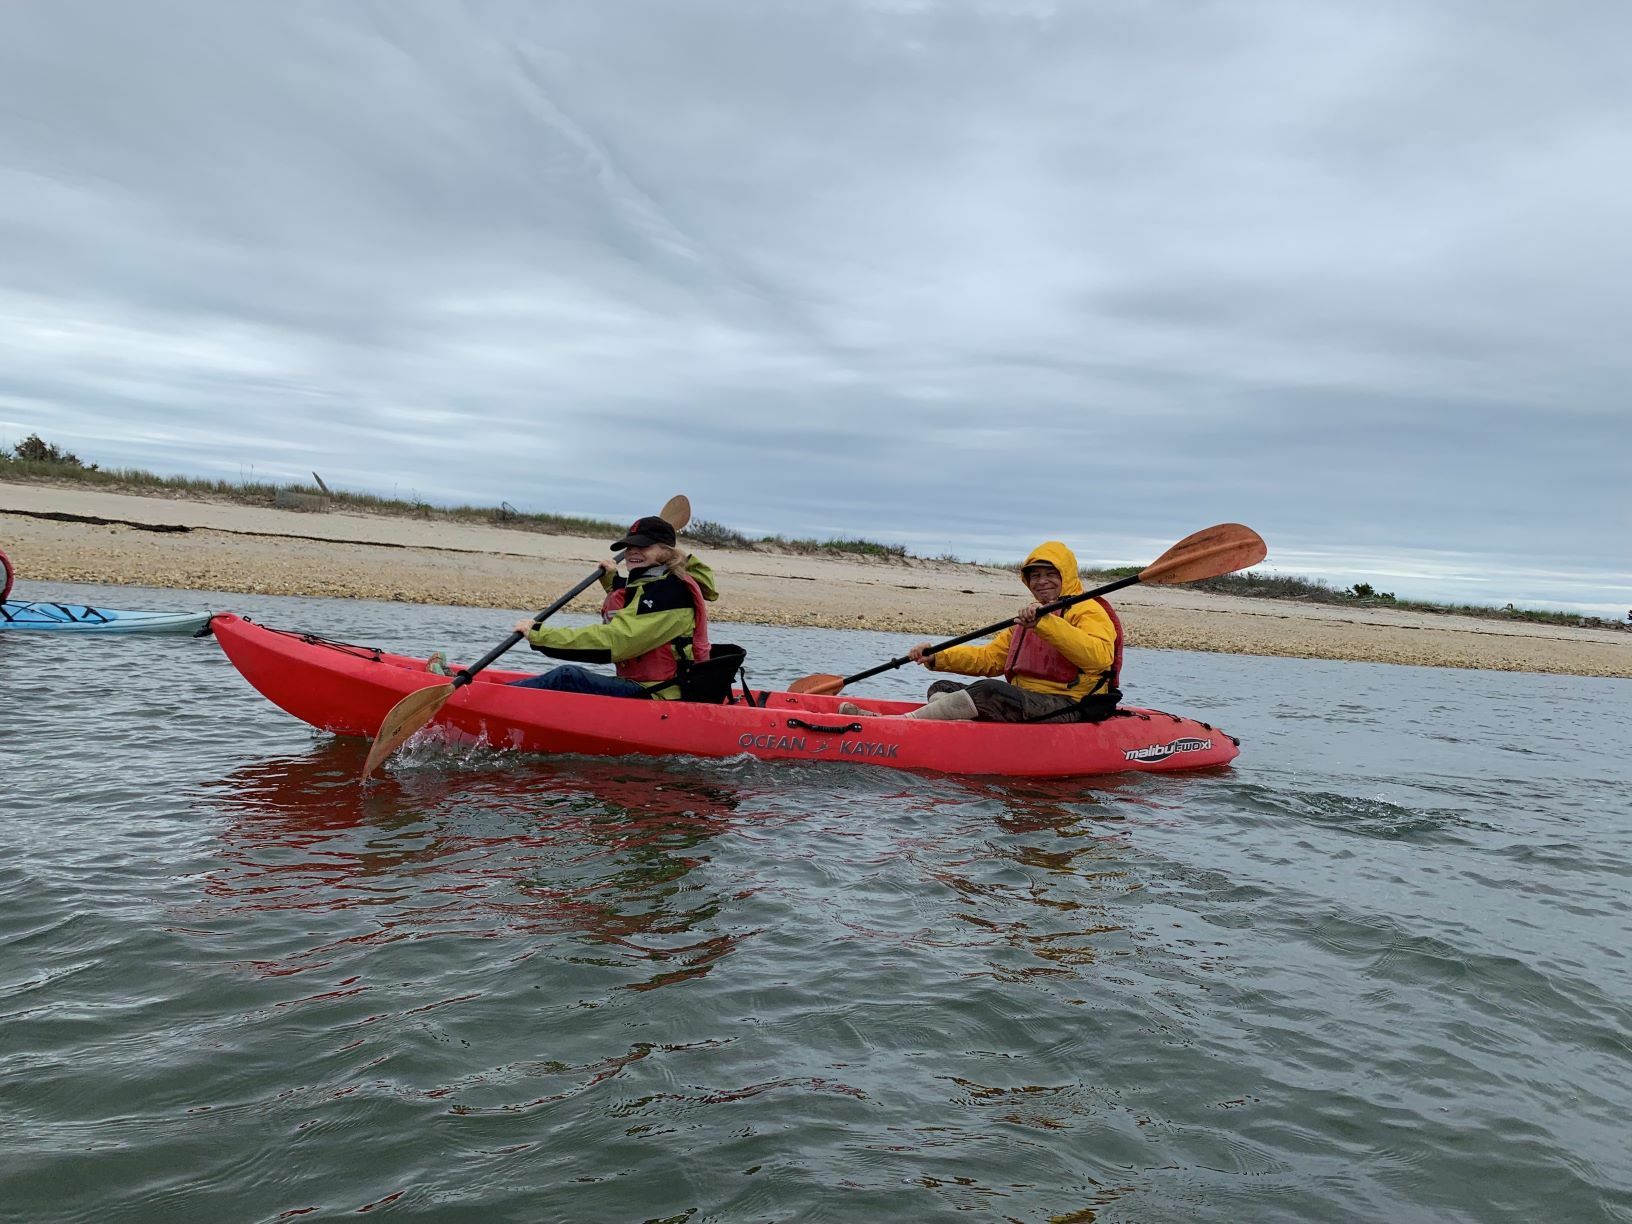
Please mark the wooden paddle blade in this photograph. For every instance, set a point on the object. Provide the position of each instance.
(1208, 553)
(404, 718)
(821, 685)
(676, 511)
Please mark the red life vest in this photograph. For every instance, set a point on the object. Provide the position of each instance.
(662, 663)
(1030, 655)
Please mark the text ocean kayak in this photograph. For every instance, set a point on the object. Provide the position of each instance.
(348, 690)
(81, 618)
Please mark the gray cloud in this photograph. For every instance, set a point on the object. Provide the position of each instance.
(958, 275)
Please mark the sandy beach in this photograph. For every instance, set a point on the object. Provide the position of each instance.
(67, 533)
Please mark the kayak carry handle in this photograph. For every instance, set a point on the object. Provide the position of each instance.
(810, 726)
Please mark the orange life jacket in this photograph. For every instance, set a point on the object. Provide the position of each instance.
(1030, 655)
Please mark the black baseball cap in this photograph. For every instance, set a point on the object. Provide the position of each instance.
(644, 531)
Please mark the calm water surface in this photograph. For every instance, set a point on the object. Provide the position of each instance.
(1376, 971)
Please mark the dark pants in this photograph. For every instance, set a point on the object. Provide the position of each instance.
(1000, 701)
(570, 678)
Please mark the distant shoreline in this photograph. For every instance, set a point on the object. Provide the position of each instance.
(63, 533)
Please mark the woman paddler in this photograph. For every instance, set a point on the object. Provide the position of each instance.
(654, 623)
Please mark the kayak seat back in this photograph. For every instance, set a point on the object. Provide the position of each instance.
(710, 681)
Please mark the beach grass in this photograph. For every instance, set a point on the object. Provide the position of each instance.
(36, 460)
(250, 492)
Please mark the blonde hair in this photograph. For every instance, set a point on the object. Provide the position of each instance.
(667, 555)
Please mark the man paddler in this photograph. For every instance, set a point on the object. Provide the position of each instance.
(1057, 667)
(654, 623)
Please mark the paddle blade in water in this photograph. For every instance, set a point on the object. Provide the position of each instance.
(406, 717)
(822, 685)
(1209, 553)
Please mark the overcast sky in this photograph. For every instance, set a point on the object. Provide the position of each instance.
(963, 276)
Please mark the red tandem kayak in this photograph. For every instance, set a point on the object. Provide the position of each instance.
(348, 690)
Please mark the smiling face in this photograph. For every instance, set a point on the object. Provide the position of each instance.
(1043, 582)
(640, 555)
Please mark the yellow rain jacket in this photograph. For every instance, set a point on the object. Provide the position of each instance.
(1082, 635)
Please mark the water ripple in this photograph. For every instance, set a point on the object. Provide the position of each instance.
(1377, 970)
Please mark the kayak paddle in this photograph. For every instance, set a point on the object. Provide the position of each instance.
(1206, 554)
(422, 705)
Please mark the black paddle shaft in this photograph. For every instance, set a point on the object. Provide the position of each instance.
(1003, 624)
(467, 674)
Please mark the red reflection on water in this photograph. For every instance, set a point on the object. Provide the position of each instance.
(607, 851)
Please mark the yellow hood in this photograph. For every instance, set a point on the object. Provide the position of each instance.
(1052, 552)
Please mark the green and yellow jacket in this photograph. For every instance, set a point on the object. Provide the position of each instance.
(647, 636)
